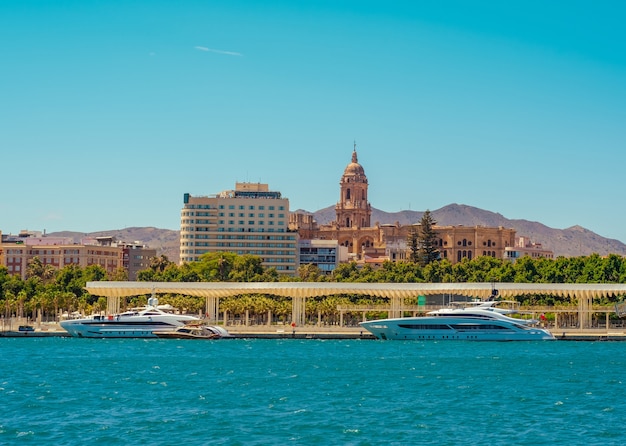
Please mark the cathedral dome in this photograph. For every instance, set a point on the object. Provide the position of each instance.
(354, 168)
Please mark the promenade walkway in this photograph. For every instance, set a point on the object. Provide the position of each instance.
(584, 293)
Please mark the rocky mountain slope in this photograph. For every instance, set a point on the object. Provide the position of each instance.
(574, 241)
(569, 242)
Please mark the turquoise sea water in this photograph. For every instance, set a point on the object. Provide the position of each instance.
(67, 391)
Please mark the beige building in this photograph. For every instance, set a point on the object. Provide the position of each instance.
(16, 252)
(250, 219)
(375, 244)
(524, 247)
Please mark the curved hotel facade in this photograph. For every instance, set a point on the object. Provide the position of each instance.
(250, 219)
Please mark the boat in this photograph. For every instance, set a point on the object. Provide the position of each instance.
(142, 323)
(477, 321)
(194, 331)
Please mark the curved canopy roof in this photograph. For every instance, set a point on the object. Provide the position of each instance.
(316, 289)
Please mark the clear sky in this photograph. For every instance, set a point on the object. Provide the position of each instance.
(111, 110)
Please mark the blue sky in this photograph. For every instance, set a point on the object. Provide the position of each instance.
(111, 110)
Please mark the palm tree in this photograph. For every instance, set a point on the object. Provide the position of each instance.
(36, 268)
(158, 264)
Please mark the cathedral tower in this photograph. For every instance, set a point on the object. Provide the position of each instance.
(353, 210)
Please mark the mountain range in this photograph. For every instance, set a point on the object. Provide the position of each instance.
(569, 242)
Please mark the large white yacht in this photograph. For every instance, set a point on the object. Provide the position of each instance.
(130, 324)
(482, 321)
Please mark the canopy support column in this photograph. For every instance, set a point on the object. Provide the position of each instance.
(395, 311)
(212, 308)
(113, 305)
(584, 313)
(298, 310)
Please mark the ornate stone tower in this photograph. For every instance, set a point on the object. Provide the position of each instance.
(353, 210)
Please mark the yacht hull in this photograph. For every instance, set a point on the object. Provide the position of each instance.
(131, 327)
(457, 329)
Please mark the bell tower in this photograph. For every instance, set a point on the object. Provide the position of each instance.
(353, 210)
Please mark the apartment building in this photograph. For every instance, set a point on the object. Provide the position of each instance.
(17, 251)
(525, 247)
(250, 219)
(325, 254)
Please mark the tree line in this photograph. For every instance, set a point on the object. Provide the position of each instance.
(52, 292)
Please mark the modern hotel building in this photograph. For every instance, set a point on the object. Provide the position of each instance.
(250, 219)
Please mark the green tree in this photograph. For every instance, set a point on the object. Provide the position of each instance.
(438, 272)
(427, 240)
(525, 270)
(94, 273)
(346, 272)
(119, 275)
(271, 275)
(159, 263)
(246, 268)
(36, 268)
(214, 266)
(71, 279)
(309, 273)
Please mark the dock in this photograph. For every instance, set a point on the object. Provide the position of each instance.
(334, 333)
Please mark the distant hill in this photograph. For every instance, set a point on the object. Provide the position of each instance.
(165, 241)
(569, 242)
(574, 241)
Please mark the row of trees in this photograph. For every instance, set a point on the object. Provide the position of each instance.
(54, 291)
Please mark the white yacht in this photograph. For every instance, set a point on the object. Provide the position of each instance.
(482, 321)
(130, 324)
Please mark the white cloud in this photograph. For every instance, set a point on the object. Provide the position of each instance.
(52, 216)
(211, 50)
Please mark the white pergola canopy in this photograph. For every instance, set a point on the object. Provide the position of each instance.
(317, 289)
(395, 292)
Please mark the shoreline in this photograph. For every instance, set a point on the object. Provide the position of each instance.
(330, 333)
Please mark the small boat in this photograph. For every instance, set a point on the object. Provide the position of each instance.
(194, 332)
(476, 321)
